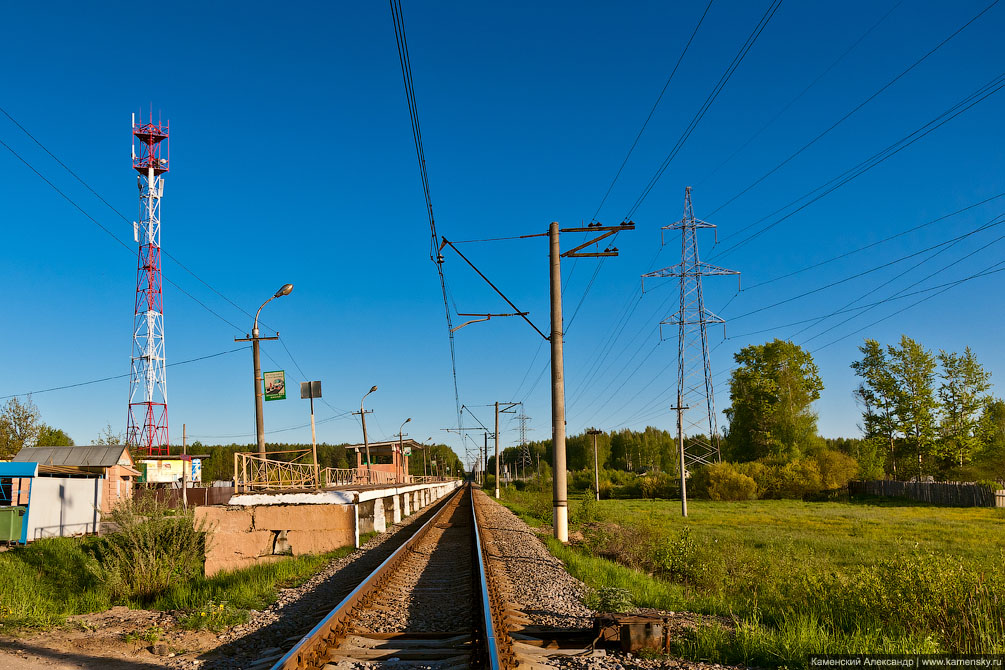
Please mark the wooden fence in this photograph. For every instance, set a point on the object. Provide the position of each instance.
(216, 495)
(954, 494)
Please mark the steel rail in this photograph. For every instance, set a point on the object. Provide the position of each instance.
(498, 645)
(310, 651)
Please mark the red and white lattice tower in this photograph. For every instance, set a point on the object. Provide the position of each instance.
(147, 429)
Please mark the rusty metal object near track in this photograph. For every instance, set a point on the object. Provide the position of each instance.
(486, 643)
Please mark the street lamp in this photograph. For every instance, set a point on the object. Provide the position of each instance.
(425, 471)
(256, 355)
(401, 447)
(366, 444)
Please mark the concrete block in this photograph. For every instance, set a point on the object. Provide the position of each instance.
(310, 542)
(406, 502)
(379, 521)
(217, 565)
(395, 509)
(366, 517)
(229, 545)
(303, 517)
(224, 519)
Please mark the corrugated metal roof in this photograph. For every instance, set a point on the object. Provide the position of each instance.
(94, 456)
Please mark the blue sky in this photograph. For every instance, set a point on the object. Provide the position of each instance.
(292, 161)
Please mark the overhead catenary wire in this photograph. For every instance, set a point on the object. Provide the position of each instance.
(413, 111)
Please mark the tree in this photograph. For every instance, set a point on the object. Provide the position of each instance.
(878, 395)
(20, 423)
(108, 436)
(53, 437)
(771, 392)
(963, 394)
(913, 369)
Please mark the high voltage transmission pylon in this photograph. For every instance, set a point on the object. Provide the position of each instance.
(147, 426)
(525, 459)
(695, 401)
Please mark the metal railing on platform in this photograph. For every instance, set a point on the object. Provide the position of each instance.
(253, 472)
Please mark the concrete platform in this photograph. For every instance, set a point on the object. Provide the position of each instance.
(261, 527)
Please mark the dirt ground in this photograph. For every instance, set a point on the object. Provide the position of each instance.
(110, 640)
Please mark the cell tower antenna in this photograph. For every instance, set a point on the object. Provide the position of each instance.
(695, 404)
(147, 426)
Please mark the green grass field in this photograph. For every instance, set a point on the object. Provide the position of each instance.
(795, 577)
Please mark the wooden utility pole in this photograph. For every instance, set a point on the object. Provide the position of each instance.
(596, 461)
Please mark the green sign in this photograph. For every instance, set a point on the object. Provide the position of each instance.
(275, 385)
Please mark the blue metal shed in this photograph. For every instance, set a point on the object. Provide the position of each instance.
(13, 514)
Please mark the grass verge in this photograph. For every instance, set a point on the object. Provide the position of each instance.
(51, 579)
(796, 578)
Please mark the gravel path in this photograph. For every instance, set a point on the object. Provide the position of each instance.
(298, 609)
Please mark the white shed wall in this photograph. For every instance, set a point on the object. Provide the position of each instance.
(64, 506)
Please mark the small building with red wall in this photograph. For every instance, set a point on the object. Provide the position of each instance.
(390, 459)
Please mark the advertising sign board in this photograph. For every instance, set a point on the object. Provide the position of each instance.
(275, 385)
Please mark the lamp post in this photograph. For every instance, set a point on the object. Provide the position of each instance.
(256, 355)
(366, 443)
(425, 471)
(401, 450)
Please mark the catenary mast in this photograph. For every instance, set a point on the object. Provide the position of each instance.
(147, 428)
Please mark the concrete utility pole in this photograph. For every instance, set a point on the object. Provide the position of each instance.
(507, 409)
(596, 466)
(497, 450)
(401, 449)
(485, 459)
(366, 443)
(560, 509)
(680, 454)
(560, 502)
(184, 469)
(256, 355)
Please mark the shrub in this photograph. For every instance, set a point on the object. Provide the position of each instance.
(726, 483)
(659, 485)
(609, 599)
(836, 469)
(675, 558)
(154, 546)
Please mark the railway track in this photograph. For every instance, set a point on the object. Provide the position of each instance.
(433, 603)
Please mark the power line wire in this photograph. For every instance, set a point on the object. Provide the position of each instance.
(723, 80)
(799, 95)
(105, 379)
(975, 98)
(855, 109)
(659, 98)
